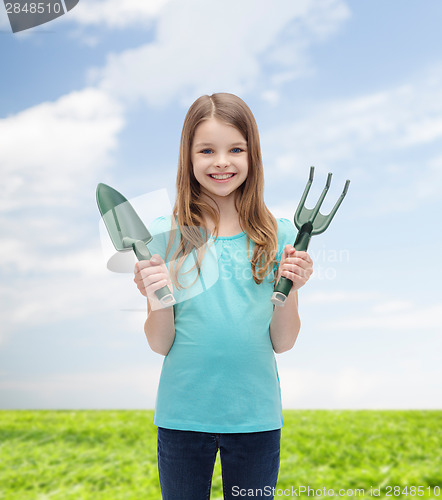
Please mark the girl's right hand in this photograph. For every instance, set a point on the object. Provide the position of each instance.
(151, 275)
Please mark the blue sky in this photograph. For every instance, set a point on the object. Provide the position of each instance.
(100, 94)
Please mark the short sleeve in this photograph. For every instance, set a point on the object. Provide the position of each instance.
(286, 235)
(159, 229)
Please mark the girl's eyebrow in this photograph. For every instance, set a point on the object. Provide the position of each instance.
(201, 144)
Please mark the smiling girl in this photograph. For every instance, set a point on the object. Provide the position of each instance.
(219, 385)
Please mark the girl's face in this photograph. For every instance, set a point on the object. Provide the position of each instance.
(219, 158)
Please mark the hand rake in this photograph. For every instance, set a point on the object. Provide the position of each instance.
(309, 222)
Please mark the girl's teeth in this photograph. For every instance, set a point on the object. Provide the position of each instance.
(220, 177)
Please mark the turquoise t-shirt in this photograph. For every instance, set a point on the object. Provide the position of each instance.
(220, 374)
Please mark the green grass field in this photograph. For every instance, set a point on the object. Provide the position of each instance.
(111, 455)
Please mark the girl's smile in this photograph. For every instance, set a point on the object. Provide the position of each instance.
(221, 177)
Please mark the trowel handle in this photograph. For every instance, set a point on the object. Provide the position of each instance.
(164, 294)
(284, 285)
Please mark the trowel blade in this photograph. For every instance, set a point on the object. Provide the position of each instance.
(120, 218)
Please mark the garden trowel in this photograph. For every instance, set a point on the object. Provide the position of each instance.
(127, 231)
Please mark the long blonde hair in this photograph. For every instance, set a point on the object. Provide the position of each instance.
(255, 218)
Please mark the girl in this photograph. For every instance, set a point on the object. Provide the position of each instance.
(219, 385)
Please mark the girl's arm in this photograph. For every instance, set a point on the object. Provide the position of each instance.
(159, 327)
(285, 325)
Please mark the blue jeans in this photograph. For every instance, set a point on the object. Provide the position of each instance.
(249, 462)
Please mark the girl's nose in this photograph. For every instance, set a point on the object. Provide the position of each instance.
(222, 161)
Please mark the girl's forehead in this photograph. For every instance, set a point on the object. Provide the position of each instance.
(216, 130)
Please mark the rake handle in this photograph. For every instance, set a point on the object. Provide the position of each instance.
(164, 294)
(284, 285)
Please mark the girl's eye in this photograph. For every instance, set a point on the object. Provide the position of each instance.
(234, 150)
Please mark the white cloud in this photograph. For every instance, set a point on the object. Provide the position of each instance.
(50, 158)
(341, 296)
(187, 58)
(429, 184)
(399, 118)
(357, 134)
(283, 210)
(4, 21)
(411, 385)
(270, 96)
(130, 387)
(112, 14)
(116, 14)
(393, 316)
(69, 287)
(67, 142)
(393, 306)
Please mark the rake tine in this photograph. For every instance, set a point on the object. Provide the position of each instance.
(309, 222)
(326, 219)
(301, 204)
(321, 199)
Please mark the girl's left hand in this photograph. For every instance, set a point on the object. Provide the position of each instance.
(295, 265)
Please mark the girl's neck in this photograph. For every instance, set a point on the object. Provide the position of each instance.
(229, 222)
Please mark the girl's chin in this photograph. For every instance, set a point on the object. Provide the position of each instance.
(217, 193)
